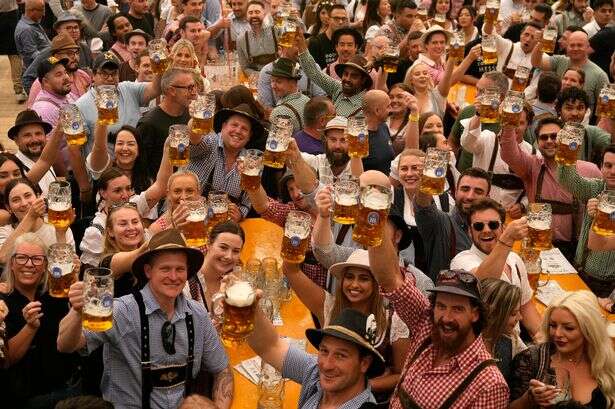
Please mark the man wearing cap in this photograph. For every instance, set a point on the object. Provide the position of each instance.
(70, 24)
(258, 46)
(62, 47)
(178, 89)
(213, 157)
(30, 37)
(136, 42)
(133, 95)
(159, 341)
(284, 76)
(55, 90)
(337, 376)
(321, 46)
(448, 364)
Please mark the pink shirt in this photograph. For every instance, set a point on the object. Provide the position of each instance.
(81, 83)
(528, 166)
(435, 68)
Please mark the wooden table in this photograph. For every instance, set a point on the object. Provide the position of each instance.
(264, 239)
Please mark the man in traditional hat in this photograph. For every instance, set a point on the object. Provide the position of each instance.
(136, 42)
(291, 102)
(213, 157)
(70, 24)
(337, 376)
(164, 370)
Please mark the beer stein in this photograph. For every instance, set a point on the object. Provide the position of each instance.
(218, 209)
(549, 37)
(492, 10)
(421, 13)
(531, 260)
(358, 137)
(512, 106)
(390, 59)
(179, 145)
(270, 388)
(202, 111)
(72, 125)
(457, 46)
(346, 201)
(253, 273)
(276, 145)
(489, 106)
(61, 269)
(604, 220)
(539, 218)
(98, 299)
(282, 15)
(569, 141)
(272, 279)
(107, 102)
(373, 211)
(489, 48)
(195, 229)
(433, 178)
(440, 19)
(239, 308)
(252, 170)
(288, 33)
(159, 56)
(59, 204)
(520, 79)
(296, 236)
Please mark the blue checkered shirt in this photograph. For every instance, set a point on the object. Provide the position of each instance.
(121, 381)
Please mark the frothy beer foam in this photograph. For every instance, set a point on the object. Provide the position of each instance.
(606, 208)
(240, 294)
(251, 171)
(539, 224)
(375, 200)
(346, 200)
(59, 206)
(195, 217)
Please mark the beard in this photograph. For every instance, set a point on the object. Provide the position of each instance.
(449, 345)
(336, 158)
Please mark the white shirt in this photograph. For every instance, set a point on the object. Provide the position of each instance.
(47, 233)
(592, 28)
(507, 7)
(470, 259)
(47, 178)
(321, 164)
(480, 144)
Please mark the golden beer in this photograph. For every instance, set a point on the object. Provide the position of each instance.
(217, 217)
(107, 116)
(287, 39)
(604, 221)
(548, 45)
(358, 145)
(520, 79)
(511, 118)
(179, 155)
(566, 153)
(602, 104)
(195, 230)
(294, 248)
(369, 228)
(456, 52)
(97, 319)
(250, 181)
(160, 65)
(346, 209)
(611, 106)
(61, 277)
(159, 56)
(274, 159)
(491, 12)
(239, 308)
(490, 56)
(540, 234)
(431, 184)
(512, 106)
(59, 214)
(202, 126)
(76, 140)
(390, 64)
(532, 279)
(489, 112)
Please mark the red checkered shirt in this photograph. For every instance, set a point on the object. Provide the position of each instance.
(430, 386)
(277, 212)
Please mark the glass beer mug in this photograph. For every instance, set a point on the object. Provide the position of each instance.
(61, 269)
(270, 388)
(272, 279)
(489, 48)
(59, 204)
(252, 170)
(195, 229)
(421, 13)
(253, 273)
(346, 201)
(288, 33)
(358, 137)
(277, 143)
(159, 56)
(390, 59)
(604, 220)
(569, 141)
(433, 178)
(532, 262)
(605, 105)
(457, 47)
(296, 236)
(98, 299)
(549, 36)
(239, 307)
(107, 102)
(373, 211)
(72, 125)
(489, 106)
(512, 106)
(492, 10)
(539, 218)
(218, 209)
(520, 79)
(202, 111)
(179, 145)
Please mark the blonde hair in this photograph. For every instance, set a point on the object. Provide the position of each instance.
(196, 70)
(583, 305)
(408, 76)
(410, 152)
(180, 173)
(9, 278)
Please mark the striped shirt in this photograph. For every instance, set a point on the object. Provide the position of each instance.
(599, 264)
(344, 106)
(296, 100)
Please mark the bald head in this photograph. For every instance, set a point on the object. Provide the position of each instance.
(578, 47)
(376, 105)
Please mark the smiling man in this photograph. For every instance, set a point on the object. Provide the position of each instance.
(258, 46)
(285, 73)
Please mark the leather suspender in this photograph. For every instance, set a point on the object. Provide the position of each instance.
(453, 248)
(452, 398)
(341, 234)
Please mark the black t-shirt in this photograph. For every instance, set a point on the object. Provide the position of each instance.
(42, 369)
(154, 129)
(127, 73)
(603, 43)
(146, 23)
(514, 32)
(322, 50)
(380, 150)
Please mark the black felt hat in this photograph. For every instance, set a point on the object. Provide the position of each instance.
(27, 117)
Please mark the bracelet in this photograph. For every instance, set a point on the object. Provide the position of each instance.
(413, 117)
(505, 244)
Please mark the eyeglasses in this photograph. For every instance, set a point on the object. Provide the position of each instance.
(168, 337)
(448, 275)
(547, 136)
(108, 74)
(493, 225)
(22, 259)
(190, 88)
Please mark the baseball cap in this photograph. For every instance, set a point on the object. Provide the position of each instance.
(106, 59)
(339, 122)
(49, 64)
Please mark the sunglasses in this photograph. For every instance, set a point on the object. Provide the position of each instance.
(546, 136)
(464, 277)
(493, 225)
(168, 337)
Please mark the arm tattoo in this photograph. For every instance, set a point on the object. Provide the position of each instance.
(223, 388)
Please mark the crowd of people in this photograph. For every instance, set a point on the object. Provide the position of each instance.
(438, 311)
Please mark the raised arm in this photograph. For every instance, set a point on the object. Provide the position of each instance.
(159, 188)
(470, 136)
(517, 160)
(310, 294)
(121, 262)
(412, 129)
(266, 342)
(48, 156)
(70, 335)
(312, 70)
(152, 89)
(27, 224)
(223, 388)
(99, 156)
(384, 264)
(459, 73)
(305, 177)
(580, 187)
(445, 84)
(537, 56)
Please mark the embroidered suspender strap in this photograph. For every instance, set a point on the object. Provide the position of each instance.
(452, 398)
(146, 365)
(505, 68)
(289, 106)
(190, 360)
(341, 234)
(444, 205)
(275, 40)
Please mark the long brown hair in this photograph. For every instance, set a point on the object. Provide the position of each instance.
(500, 299)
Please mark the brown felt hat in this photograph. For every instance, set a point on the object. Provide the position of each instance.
(61, 42)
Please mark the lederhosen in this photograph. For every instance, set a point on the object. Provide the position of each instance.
(386, 350)
(408, 403)
(507, 181)
(162, 377)
(257, 62)
(557, 207)
(509, 72)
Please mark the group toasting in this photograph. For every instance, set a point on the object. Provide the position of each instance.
(326, 204)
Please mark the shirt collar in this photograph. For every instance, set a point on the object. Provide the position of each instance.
(151, 305)
(29, 21)
(478, 252)
(364, 396)
(425, 59)
(289, 97)
(468, 358)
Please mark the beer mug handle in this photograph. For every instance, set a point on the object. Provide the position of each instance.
(217, 310)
